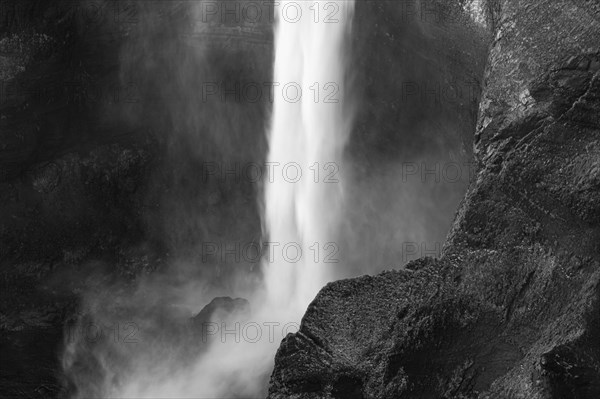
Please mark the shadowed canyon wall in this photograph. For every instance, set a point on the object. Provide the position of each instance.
(511, 310)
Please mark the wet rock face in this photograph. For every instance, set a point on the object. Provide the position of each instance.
(512, 309)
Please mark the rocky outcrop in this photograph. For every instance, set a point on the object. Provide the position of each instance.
(220, 311)
(512, 308)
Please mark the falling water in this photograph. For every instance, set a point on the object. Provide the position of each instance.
(303, 203)
(308, 134)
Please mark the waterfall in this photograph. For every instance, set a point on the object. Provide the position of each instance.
(302, 209)
(308, 133)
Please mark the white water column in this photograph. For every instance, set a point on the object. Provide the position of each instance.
(309, 130)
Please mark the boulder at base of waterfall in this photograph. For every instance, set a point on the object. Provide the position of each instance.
(221, 314)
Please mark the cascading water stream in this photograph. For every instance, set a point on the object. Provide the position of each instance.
(309, 131)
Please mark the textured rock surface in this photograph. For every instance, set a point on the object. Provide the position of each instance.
(512, 309)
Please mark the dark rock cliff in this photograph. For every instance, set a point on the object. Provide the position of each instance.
(511, 310)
